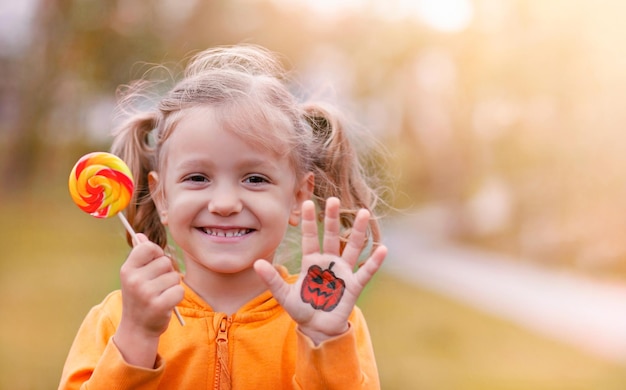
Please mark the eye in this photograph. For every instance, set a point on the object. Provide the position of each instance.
(256, 179)
(196, 178)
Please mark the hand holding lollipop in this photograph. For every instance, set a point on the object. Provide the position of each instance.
(101, 184)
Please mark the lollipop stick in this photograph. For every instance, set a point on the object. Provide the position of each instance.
(129, 228)
(132, 233)
(180, 318)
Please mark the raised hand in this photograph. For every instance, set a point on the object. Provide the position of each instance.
(327, 289)
(150, 290)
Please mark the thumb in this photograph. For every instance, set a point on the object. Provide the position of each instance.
(272, 279)
(139, 238)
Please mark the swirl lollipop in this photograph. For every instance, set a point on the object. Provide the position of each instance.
(101, 184)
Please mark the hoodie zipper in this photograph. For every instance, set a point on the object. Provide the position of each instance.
(222, 373)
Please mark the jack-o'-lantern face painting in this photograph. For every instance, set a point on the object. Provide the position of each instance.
(322, 288)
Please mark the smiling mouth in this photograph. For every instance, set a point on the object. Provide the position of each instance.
(226, 232)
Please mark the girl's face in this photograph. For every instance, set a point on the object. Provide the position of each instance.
(226, 202)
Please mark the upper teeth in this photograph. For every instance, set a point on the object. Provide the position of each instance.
(226, 233)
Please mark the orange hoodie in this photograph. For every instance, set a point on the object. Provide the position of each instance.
(258, 347)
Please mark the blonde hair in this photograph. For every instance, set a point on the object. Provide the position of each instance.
(248, 88)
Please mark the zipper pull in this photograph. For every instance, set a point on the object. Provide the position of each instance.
(222, 332)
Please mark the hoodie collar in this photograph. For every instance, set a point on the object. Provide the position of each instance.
(258, 308)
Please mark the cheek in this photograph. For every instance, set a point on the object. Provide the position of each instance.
(275, 217)
(182, 207)
(275, 205)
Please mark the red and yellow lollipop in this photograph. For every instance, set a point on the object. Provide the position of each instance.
(101, 184)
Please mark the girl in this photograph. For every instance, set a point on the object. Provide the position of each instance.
(226, 163)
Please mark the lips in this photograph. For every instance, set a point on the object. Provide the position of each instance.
(226, 232)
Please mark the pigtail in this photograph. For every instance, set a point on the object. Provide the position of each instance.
(132, 144)
(338, 171)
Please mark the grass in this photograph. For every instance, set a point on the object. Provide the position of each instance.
(425, 341)
(57, 262)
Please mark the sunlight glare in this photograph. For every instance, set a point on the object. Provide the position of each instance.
(445, 15)
(441, 15)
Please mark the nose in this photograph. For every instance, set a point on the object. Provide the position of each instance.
(225, 200)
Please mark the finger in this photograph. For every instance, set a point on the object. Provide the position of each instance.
(139, 238)
(168, 299)
(147, 287)
(310, 242)
(159, 266)
(134, 273)
(143, 253)
(331, 227)
(165, 282)
(270, 276)
(371, 266)
(173, 295)
(356, 241)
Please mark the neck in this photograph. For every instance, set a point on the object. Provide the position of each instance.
(225, 293)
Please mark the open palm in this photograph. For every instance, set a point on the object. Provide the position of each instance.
(327, 289)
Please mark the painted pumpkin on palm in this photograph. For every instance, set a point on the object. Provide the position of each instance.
(322, 288)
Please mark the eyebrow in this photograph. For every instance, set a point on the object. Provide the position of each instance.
(198, 163)
(191, 164)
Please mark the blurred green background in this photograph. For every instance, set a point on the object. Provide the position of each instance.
(504, 115)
